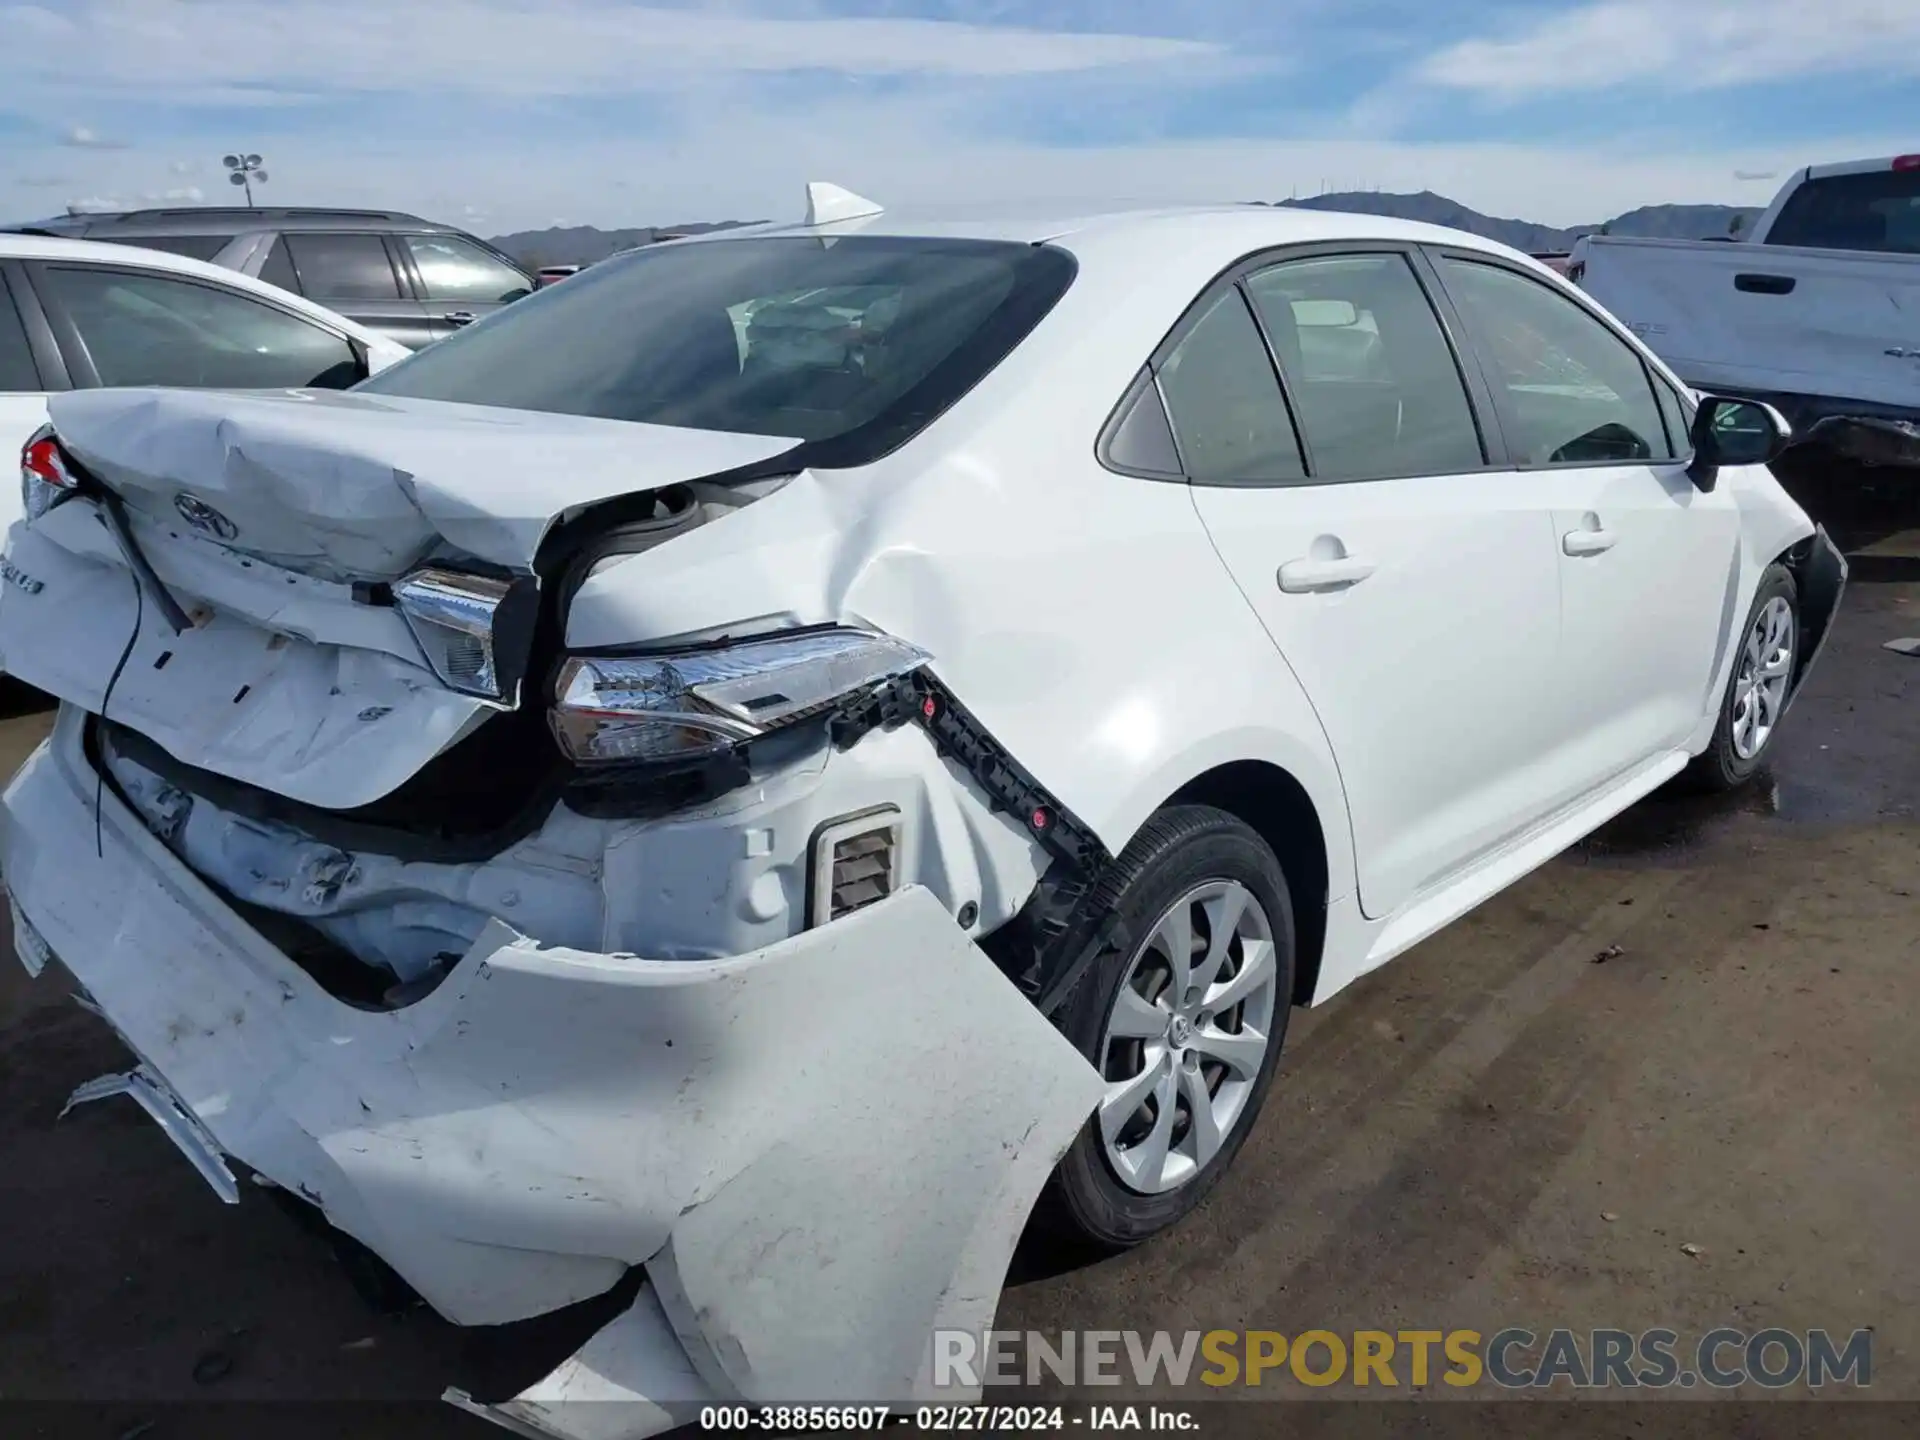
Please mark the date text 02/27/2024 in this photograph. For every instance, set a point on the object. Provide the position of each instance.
(978, 1419)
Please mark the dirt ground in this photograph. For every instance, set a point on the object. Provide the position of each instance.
(1501, 1128)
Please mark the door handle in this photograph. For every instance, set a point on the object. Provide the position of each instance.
(1765, 284)
(460, 317)
(1301, 577)
(1587, 542)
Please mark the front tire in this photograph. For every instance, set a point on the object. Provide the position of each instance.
(1764, 663)
(1185, 1022)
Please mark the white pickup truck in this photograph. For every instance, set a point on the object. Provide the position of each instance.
(1816, 309)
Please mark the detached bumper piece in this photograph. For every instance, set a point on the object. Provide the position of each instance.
(1869, 439)
(819, 1152)
(188, 1134)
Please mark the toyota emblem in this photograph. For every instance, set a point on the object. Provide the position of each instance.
(204, 518)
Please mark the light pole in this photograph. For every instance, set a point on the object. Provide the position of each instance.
(244, 170)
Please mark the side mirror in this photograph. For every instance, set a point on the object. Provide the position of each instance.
(1735, 432)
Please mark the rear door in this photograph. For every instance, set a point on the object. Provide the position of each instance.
(1646, 560)
(353, 275)
(458, 281)
(1408, 578)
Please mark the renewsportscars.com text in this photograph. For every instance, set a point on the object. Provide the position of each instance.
(1514, 1358)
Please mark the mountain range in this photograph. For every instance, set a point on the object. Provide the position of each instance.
(584, 244)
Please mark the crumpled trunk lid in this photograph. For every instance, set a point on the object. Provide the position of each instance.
(262, 515)
(362, 486)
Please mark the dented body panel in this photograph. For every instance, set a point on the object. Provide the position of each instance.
(551, 1116)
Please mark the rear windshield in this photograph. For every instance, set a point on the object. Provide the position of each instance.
(853, 344)
(194, 247)
(1879, 210)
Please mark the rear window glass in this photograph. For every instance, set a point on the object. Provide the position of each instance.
(1877, 211)
(194, 247)
(856, 344)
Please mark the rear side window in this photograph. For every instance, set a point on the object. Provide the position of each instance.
(17, 370)
(1572, 392)
(452, 269)
(343, 267)
(1368, 368)
(194, 247)
(859, 343)
(157, 330)
(1878, 211)
(1229, 418)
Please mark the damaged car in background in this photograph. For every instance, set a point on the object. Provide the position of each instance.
(744, 774)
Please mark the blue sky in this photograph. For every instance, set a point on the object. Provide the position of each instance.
(509, 114)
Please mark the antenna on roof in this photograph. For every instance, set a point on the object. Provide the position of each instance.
(827, 203)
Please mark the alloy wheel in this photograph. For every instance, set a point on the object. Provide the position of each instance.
(1186, 1036)
(1766, 670)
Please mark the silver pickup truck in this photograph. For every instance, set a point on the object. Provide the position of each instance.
(1816, 309)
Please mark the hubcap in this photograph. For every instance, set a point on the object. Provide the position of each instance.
(1760, 686)
(1186, 1037)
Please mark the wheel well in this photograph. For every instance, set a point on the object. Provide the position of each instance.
(1274, 804)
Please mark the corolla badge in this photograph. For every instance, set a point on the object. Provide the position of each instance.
(204, 518)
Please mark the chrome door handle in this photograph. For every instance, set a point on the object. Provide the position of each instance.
(1587, 542)
(460, 317)
(1301, 577)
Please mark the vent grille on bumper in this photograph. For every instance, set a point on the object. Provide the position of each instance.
(856, 862)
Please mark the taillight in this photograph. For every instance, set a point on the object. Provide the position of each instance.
(695, 705)
(1906, 162)
(44, 478)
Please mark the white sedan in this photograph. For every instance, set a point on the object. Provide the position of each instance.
(76, 315)
(630, 797)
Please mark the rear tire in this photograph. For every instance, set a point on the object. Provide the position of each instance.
(1766, 656)
(1139, 1165)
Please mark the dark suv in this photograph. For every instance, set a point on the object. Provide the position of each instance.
(406, 278)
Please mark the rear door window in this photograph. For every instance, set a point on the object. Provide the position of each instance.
(17, 369)
(1876, 211)
(278, 269)
(342, 267)
(451, 269)
(1368, 368)
(147, 329)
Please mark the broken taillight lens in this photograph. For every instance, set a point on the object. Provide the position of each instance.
(696, 704)
(45, 479)
(474, 630)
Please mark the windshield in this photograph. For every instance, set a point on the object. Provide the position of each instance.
(855, 343)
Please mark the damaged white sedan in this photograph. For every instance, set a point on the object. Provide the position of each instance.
(749, 766)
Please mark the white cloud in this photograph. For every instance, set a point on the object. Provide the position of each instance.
(186, 195)
(1703, 45)
(736, 163)
(79, 136)
(95, 205)
(516, 47)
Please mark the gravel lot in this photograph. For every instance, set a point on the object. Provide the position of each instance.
(1444, 1149)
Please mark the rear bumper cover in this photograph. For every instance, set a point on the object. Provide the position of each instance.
(820, 1151)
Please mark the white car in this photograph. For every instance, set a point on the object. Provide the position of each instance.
(77, 314)
(607, 802)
